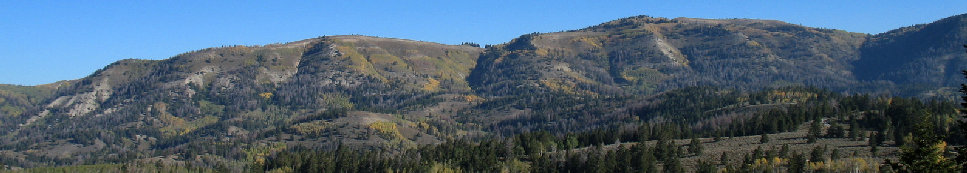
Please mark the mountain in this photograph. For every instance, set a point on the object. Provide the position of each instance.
(644, 55)
(347, 86)
(918, 58)
(640, 56)
(14, 99)
(386, 94)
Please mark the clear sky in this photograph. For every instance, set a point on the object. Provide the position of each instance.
(45, 41)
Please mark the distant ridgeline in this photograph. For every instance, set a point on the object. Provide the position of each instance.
(535, 103)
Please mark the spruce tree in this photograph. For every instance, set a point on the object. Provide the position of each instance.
(835, 154)
(797, 163)
(817, 154)
(757, 153)
(705, 167)
(814, 131)
(764, 138)
(926, 152)
(695, 147)
(673, 165)
(784, 152)
(835, 131)
(854, 129)
(962, 158)
(874, 145)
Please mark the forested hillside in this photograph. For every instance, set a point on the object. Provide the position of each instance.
(646, 90)
(917, 58)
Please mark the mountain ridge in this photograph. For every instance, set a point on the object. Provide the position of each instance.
(388, 93)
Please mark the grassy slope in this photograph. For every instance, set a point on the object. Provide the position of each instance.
(737, 147)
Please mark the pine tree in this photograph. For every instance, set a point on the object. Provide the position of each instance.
(817, 154)
(784, 152)
(835, 154)
(835, 131)
(695, 147)
(814, 131)
(747, 162)
(764, 138)
(854, 129)
(962, 158)
(757, 153)
(926, 153)
(874, 144)
(797, 163)
(673, 165)
(705, 167)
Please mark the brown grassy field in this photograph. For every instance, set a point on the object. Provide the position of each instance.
(854, 154)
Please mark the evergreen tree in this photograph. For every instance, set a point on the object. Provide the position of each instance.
(926, 152)
(834, 154)
(836, 131)
(815, 130)
(854, 129)
(571, 142)
(724, 158)
(764, 138)
(648, 165)
(747, 162)
(695, 147)
(797, 163)
(757, 153)
(817, 154)
(784, 152)
(705, 167)
(874, 145)
(673, 165)
(962, 158)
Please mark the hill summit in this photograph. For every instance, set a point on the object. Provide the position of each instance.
(386, 93)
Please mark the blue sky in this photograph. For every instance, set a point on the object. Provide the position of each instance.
(46, 41)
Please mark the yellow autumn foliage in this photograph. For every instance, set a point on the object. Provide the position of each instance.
(472, 98)
(311, 128)
(181, 127)
(752, 43)
(444, 168)
(257, 154)
(843, 165)
(593, 42)
(541, 52)
(358, 61)
(266, 95)
(386, 129)
(431, 85)
(790, 96)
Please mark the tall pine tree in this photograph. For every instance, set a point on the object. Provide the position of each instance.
(962, 158)
(926, 151)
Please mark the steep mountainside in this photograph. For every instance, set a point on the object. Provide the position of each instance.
(564, 77)
(15, 100)
(643, 55)
(390, 94)
(640, 56)
(353, 87)
(918, 58)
